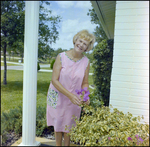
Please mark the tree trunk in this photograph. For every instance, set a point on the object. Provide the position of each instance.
(22, 58)
(5, 66)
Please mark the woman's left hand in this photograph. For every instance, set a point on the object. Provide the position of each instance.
(87, 102)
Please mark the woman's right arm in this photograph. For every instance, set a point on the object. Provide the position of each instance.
(55, 81)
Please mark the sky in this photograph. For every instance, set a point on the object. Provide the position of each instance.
(74, 19)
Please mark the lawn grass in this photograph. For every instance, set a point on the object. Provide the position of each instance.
(12, 93)
(91, 69)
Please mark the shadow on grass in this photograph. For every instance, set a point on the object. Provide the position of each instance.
(11, 86)
(42, 86)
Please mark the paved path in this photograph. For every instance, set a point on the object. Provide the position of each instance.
(12, 57)
(43, 65)
(13, 67)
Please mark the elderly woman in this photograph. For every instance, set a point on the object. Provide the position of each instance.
(70, 72)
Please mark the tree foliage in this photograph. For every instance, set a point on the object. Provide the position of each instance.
(102, 65)
(56, 52)
(102, 61)
(47, 34)
(98, 31)
(12, 29)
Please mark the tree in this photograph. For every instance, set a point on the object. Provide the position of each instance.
(12, 26)
(98, 31)
(102, 61)
(12, 29)
(47, 34)
(56, 52)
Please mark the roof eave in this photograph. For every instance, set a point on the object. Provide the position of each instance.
(98, 10)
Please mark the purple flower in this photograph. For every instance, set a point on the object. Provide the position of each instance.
(78, 91)
(85, 89)
(129, 138)
(85, 98)
(108, 138)
(86, 93)
(141, 139)
(136, 136)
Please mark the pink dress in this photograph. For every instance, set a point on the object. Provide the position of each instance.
(59, 107)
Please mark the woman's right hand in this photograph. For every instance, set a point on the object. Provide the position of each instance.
(75, 100)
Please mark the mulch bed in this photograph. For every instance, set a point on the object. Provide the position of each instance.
(11, 137)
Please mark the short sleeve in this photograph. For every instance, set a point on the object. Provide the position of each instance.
(62, 59)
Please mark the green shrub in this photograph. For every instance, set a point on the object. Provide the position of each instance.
(102, 66)
(4, 137)
(95, 101)
(40, 120)
(108, 127)
(52, 63)
(12, 121)
(89, 56)
(38, 68)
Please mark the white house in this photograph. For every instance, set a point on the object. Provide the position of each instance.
(127, 22)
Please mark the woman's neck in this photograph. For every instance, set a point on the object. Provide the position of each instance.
(76, 55)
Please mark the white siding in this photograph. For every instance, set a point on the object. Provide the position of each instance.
(129, 90)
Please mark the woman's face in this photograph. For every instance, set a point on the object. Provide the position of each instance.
(81, 45)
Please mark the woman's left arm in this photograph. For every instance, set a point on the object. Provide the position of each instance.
(85, 82)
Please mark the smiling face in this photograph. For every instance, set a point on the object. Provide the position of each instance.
(81, 45)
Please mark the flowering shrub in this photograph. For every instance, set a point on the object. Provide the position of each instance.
(102, 127)
(84, 94)
(138, 140)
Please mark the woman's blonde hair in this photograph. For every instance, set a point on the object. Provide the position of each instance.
(84, 34)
